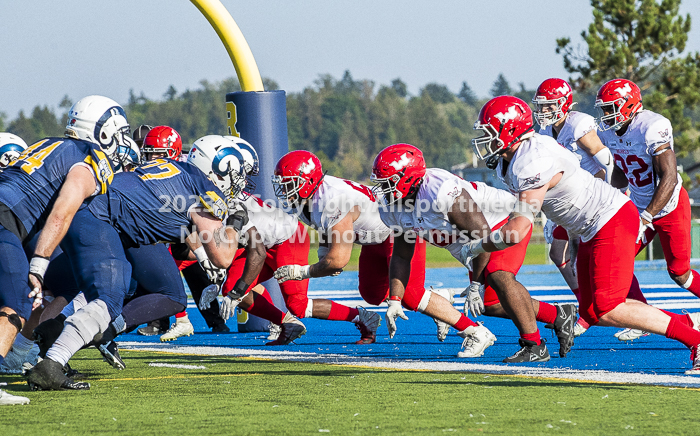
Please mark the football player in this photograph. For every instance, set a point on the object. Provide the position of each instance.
(43, 188)
(345, 212)
(642, 144)
(446, 211)
(575, 131)
(11, 146)
(547, 177)
(158, 202)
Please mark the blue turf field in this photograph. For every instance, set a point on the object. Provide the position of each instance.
(416, 339)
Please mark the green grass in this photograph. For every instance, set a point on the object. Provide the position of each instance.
(246, 396)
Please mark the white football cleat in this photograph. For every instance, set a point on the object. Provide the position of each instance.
(695, 358)
(631, 334)
(182, 327)
(292, 328)
(442, 327)
(274, 331)
(579, 330)
(695, 318)
(7, 399)
(476, 339)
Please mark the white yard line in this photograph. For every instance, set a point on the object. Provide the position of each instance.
(340, 359)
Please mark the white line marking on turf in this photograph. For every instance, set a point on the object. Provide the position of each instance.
(172, 365)
(340, 359)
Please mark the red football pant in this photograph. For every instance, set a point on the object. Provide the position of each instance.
(374, 274)
(294, 251)
(605, 265)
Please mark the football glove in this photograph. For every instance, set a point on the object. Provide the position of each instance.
(474, 302)
(641, 236)
(469, 251)
(292, 272)
(209, 294)
(549, 231)
(394, 311)
(228, 307)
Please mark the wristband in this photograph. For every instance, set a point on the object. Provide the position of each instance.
(38, 266)
(646, 216)
(201, 254)
(239, 288)
(395, 298)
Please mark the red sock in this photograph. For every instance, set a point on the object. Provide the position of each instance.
(695, 284)
(267, 296)
(340, 312)
(682, 333)
(546, 313)
(463, 323)
(263, 308)
(635, 292)
(682, 318)
(534, 337)
(582, 322)
(181, 314)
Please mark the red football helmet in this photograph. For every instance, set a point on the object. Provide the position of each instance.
(162, 139)
(297, 176)
(397, 172)
(504, 120)
(555, 92)
(617, 102)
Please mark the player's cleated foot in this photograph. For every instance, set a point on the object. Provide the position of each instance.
(442, 327)
(564, 327)
(46, 333)
(368, 324)
(220, 328)
(530, 352)
(7, 399)
(73, 373)
(476, 339)
(695, 318)
(48, 375)
(631, 334)
(292, 328)
(579, 330)
(110, 353)
(156, 327)
(274, 331)
(182, 327)
(695, 358)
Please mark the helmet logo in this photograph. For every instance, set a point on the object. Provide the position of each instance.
(402, 162)
(563, 89)
(508, 116)
(307, 167)
(172, 138)
(623, 90)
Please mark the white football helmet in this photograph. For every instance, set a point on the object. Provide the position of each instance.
(128, 156)
(220, 160)
(99, 120)
(251, 165)
(11, 146)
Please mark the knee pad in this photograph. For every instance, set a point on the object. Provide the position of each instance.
(74, 305)
(309, 312)
(15, 320)
(424, 301)
(90, 320)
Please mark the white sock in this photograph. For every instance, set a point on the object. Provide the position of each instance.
(76, 304)
(66, 345)
(688, 282)
(182, 319)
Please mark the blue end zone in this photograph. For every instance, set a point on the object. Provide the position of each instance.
(416, 339)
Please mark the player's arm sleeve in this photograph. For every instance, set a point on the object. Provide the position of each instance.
(586, 124)
(535, 173)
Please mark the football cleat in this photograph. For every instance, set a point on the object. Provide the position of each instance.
(7, 399)
(631, 334)
(530, 352)
(695, 318)
(292, 328)
(110, 353)
(48, 375)
(476, 339)
(564, 327)
(368, 324)
(695, 358)
(442, 327)
(14, 360)
(178, 330)
(579, 330)
(274, 331)
(221, 327)
(156, 327)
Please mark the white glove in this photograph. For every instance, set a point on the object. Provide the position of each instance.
(549, 231)
(475, 299)
(292, 272)
(209, 294)
(395, 311)
(216, 275)
(645, 216)
(228, 307)
(469, 251)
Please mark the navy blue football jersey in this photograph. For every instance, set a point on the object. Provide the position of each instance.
(30, 184)
(153, 203)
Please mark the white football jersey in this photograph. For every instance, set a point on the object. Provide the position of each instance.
(580, 203)
(335, 198)
(576, 125)
(273, 224)
(436, 195)
(633, 151)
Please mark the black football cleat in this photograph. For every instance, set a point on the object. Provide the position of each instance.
(110, 353)
(530, 352)
(48, 375)
(567, 314)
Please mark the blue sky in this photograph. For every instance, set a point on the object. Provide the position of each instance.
(81, 47)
